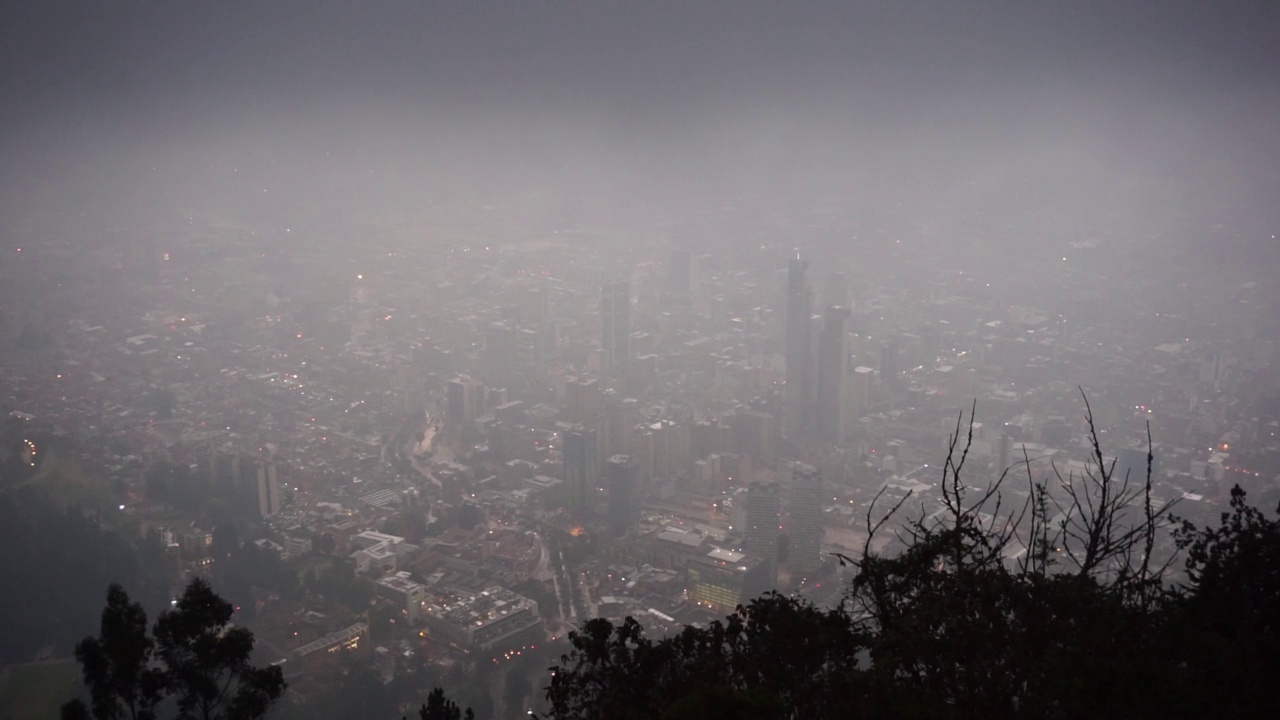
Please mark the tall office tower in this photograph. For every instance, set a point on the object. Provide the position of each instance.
(707, 437)
(798, 350)
(641, 452)
(214, 454)
(833, 362)
(236, 476)
(500, 354)
(753, 433)
(859, 394)
(529, 352)
(615, 327)
(797, 394)
(761, 532)
(582, 401)
(617, 416)
(465, 400)
(1211, 368)
(889, 365)
(268, 489)
(1006, 452)
(1131, 465)
(682, 279)
(581, 471)
(805, 526)
(623, 477)
(533, 302)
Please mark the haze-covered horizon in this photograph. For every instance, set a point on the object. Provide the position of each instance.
(1147, 121)
(427, 333)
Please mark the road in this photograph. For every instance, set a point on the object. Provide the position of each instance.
(47, 466)
(545, 571)
(570, 590)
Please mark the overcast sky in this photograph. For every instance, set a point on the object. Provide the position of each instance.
(663, 100)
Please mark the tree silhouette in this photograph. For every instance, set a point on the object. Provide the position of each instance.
(207, 660)
(194, 655)
(117, 665)
(960, 624)
(1228, 612)
(438, 707)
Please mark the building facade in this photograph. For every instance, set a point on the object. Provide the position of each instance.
(805, 526)
(761, 531)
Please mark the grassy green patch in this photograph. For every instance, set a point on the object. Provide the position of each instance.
(319, 563)
(36, 691)
(71, 484)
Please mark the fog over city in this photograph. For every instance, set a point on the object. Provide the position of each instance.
(426, 332)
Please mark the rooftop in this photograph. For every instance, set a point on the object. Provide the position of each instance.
(725, 555)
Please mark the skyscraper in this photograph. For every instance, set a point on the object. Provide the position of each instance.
(581, 471)
(761, 533)
(859, 392)
(464, 400)
(1006, 452)
(623, 476)
(753, 433)
(805, 526)
(500, 354)
(798, 358)
(582, 401)
(268, 489)
(889, 365)
(833, 361)
(615, 327)
(682, 277)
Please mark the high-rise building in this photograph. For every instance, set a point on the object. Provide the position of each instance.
(761, 532)
(682, 279)
(581, 471)
(798, 357)
(500, 354)
(617, 416)
(582, 400)
(859, 395)
(465, 400)
(723, 579)
(1131, 466)
(707, 437)
(623, 477)
(833, 361)
(1211, 368)
(752, 433)
(268, 489)
(805, 526)
(889, 365)
(615, 327)
(1006, 452)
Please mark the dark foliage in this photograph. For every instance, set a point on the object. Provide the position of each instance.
(53, 566)
(1082, 624)
(194, 656)
(438, 707)
(207, 660)
(1228, 614)
(117, 665)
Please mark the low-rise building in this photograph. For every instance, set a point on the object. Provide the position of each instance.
(406, 594)
(722, 579)
(492, 620)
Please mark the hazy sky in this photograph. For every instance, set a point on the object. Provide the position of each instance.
(659, 103)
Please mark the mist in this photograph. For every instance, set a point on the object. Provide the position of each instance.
(618, 115)
(415, 337)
